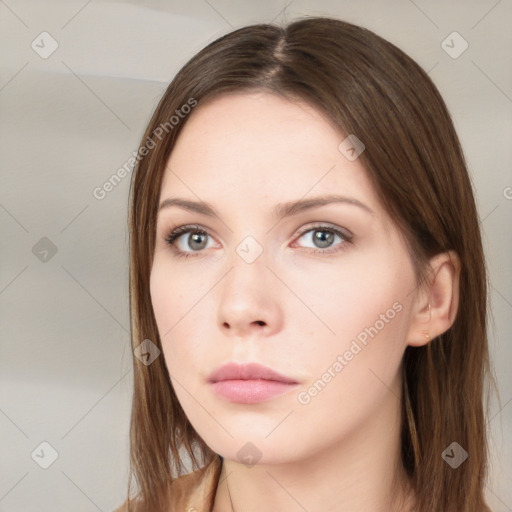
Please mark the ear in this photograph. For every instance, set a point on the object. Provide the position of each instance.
(442, 293)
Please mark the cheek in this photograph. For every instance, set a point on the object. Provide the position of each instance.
(177, 306)
(168, 306)
(346, 299)
(163, 301)
(362, 318)
(353, 374)
(173, 296)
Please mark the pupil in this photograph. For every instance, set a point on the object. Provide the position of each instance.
(323, 240)
(196, 238)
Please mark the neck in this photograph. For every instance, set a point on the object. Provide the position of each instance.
(363, 472)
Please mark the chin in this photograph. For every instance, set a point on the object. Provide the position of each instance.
(252, 450)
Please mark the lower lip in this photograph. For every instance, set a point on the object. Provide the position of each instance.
(250, 391)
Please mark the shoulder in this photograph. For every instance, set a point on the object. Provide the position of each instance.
(193, 492)
(135, 506)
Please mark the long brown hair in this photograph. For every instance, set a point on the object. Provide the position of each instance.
(370, 88)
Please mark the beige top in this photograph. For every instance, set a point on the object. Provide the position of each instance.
(193, 492)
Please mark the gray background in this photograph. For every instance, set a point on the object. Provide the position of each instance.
(70, 120)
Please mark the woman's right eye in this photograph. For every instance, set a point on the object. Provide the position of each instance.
(186, 246)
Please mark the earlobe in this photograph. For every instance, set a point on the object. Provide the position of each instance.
(437, 304)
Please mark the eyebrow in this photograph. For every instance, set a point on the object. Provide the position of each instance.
(281, 210)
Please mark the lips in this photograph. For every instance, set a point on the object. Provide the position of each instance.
(252, 371)
(249, 383)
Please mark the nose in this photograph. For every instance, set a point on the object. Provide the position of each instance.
(249, 303)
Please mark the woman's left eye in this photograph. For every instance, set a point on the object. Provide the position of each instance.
(323, 238)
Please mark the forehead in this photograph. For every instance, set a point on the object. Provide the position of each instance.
(260, 147)
(253, 118)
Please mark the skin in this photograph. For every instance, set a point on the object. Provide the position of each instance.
(293, 309)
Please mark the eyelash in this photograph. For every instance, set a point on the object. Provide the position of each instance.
(176, 233)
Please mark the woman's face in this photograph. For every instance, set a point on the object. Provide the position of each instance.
(320, 293)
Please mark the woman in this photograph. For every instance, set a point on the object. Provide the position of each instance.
(308, 284)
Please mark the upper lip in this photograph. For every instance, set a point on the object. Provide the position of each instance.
(234, 371)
